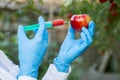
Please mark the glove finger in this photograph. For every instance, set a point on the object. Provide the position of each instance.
(45, 36)
(70, 33)
(91, 28)
(87, 34)
(83, 42)
(21, 34)
(41, 29)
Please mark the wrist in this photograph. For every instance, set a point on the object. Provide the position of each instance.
(28, 72)
(60, 65)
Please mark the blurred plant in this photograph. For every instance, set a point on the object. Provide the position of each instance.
(106, 16)
(9, 21)
(68, 2)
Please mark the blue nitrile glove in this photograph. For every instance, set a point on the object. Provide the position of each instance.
(73, 48)
(32, 51)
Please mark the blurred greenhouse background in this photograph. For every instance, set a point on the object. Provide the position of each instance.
(106, 16)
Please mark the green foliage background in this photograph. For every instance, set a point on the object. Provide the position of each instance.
(106, 35)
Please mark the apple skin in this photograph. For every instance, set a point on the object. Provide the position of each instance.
(79, 21)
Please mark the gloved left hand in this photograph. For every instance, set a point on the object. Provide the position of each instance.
(32, 51)
(73, 48)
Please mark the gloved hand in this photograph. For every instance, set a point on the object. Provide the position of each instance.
(73, 48)
(32, 51)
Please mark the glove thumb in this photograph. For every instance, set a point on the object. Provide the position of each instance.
(70, 33)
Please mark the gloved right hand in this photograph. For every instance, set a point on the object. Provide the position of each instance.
(72, 48)
(32, 51)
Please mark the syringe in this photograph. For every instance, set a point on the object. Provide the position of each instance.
(48, 24)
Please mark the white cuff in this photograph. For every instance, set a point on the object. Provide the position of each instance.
(4, 75)
(53, 74)
(26, 78)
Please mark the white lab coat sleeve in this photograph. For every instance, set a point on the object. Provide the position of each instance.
(8, 65)
(53, 74)
(5, 75)
(26, 78)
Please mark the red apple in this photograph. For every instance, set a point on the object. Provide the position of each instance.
(110, 1)
(114, 13)
(114, 5)
(113, 9)
(69, 15)
(79, 21)
(102, 1)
